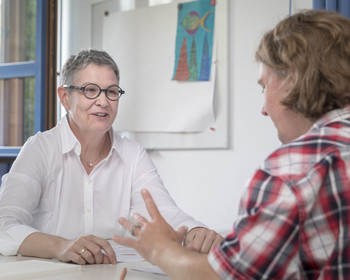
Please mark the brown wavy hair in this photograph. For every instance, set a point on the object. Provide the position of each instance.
(313, 48)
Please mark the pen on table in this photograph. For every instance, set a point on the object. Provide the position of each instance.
(123, 274)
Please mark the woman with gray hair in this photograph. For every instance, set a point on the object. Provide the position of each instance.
(68, 186)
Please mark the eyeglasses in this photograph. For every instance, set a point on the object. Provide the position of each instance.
(92, 91)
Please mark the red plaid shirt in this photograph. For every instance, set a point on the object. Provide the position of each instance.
(294, 217)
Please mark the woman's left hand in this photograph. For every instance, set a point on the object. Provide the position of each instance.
(202, 240)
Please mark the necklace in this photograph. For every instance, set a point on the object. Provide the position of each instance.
(92, 163)
(89, 163)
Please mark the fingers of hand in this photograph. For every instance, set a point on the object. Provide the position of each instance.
(87, 256)
(125, 241)
(138, 219)
(106, 260)
(181, 233)
(203, 241)
(217, 240)
(105, 246)
(209, 241)
(81, 251)
(195, 244)
(150, 205)
(133, 229)
(129, 226)
(197, 233)
(77, 255)
(125, 223)
(90, 250)
(76, 258)
(206, 246)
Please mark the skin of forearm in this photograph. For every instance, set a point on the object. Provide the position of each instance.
(183, 264)
(40, 245)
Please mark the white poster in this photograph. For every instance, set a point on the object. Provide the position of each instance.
(142, 42)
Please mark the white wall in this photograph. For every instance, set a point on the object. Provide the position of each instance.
(208, 184)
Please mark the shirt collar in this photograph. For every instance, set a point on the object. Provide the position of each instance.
(333, 116)
(70, 142)
(116, 141)
(68, 139)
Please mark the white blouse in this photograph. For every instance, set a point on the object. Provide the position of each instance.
(48, 190)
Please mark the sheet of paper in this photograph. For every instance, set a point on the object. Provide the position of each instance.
(125, 254)
(152, 269)
(33, 269)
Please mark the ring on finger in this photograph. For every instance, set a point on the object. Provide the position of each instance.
(132, 230)
(81, 251)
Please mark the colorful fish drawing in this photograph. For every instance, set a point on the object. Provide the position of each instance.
(192, 22)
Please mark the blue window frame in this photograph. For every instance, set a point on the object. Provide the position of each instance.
(340, 6)
(34, 69)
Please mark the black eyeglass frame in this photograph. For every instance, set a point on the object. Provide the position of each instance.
(105, 90)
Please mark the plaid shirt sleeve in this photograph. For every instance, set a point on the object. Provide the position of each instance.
(264, 236)
(291, 227)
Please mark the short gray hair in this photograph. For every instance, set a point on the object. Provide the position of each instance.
(77, 62)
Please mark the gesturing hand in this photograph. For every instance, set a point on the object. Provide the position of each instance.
(152, 237)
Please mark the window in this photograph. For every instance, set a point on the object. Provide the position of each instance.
(27, 72)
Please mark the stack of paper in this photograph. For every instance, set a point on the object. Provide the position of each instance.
(126, 254)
